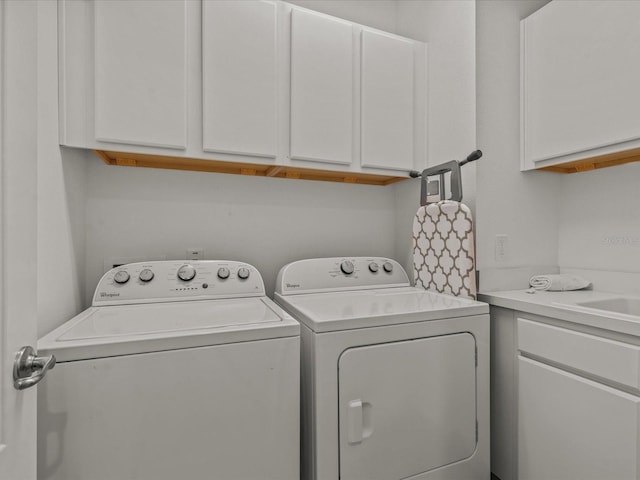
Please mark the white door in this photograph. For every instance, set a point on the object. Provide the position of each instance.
(240, 77)
(407, 407)
(322, 85)
(141, 73)
(388, 101)
(18, 153)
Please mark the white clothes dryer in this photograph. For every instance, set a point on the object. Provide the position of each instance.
(395, 379)
(176, 371)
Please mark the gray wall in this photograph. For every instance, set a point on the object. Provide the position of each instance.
(449, 28)
(61, 193)
(523, 206)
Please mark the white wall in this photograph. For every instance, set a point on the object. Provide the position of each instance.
(449, 29)
(267, 222)
(600, 220)
(60, 193)
(523, 206)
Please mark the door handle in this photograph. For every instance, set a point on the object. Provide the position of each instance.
(29, 369)
(354, 421)
(359, 421)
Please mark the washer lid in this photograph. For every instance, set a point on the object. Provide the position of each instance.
(327, 312)
(130, 329)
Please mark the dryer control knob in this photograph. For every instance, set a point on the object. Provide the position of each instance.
(243, 273)
(146, 275)
(186, 273)
(373, 267)
(121, 277)
(223, 273)
(347, 267)
(388, 267)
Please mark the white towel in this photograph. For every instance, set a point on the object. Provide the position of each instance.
(558, 283)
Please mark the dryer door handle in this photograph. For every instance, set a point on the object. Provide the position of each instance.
(359, 421)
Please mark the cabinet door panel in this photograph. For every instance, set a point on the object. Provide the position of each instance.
(580, 77)
(387, 101)
(322, 66)
(239, 77)
(140, 72)
(570, 427)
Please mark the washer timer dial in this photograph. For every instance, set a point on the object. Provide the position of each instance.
(186, 273)
(347, 267)
(388, 267)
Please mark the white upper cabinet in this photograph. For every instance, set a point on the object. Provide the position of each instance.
(388, 101)
(322, 88)
(358, 95)
(260, 87)
(240, 77)
(140, 73)
(580, 77)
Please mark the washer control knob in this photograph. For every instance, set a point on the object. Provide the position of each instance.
(243, 273)
(373, 267)
(121, 277)
(146, 275)
(346, 267)
(223, 273)
(388, 267)
(186, 273)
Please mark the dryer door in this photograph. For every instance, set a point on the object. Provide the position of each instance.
(407, 407)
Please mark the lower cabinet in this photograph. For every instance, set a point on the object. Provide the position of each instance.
(571, 428)
(565, 400)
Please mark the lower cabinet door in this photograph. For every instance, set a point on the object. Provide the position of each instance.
(406, 407)
(572, 428)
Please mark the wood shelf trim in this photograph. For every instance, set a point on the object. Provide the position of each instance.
(593, 163)
(218, 166)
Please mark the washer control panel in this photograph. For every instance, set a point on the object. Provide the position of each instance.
(317, 275)
(170, 281)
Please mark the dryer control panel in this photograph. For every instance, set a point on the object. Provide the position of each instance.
(170, 281)
(317, 275)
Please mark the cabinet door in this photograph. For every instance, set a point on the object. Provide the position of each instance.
(239, 77)
(580, 79)
(140, 72)
(322, 64)
(572, 428)
(388, 100)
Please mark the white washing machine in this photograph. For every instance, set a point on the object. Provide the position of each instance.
(395, 379)
(176, 371)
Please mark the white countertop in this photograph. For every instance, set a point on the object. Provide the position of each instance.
(561, 305)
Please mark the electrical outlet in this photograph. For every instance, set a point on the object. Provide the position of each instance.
(195, 253)
(501, 248)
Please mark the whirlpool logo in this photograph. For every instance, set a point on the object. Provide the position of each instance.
(293, 285)
(108, 295)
